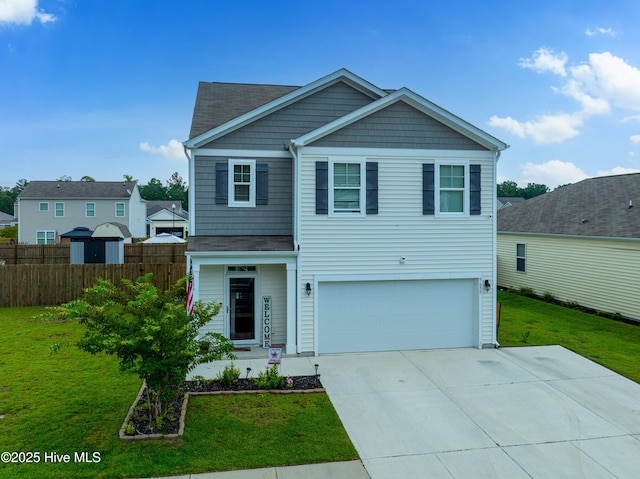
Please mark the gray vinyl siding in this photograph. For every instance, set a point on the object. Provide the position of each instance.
(278, 128)
(399, 126)
(274, 218)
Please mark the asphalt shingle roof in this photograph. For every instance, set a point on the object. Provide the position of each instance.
(217, 103)
(592, 207)
(240, 243)
(77, 189)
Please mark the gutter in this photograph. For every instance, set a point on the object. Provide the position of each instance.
(296, 237)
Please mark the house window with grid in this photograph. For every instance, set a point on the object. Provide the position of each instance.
(242, 183)
(119, 210)
(90, 209)
(59, 210)
(521, 257)
(346, 187)
(45, 237)
(43, 207)
(452, 189)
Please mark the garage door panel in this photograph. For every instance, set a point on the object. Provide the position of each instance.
(390, 315)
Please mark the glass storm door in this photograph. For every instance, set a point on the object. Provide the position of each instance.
(242, 304)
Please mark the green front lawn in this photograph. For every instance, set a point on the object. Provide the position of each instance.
(73, 402)
(530, 322)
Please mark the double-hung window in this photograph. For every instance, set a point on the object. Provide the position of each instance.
(90, 210)
(119, 210)
(452, 188)
(521, 257)
(242, 183)
(43, 207)
(59, 210)
(346, 192)
(45, 237)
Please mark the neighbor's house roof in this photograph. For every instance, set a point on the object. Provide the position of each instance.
(607, 206)
(77, 189)
(156, 206)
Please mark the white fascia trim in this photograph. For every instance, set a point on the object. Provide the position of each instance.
(373, 153)
(425, 106)
(226, 153)
(342, 74)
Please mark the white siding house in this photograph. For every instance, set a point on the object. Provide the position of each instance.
(365, 217)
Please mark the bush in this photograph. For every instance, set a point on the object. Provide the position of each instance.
(270, 378)
(528, 292)
(229, 375)
(549, 297)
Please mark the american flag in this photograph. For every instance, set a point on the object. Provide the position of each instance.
(189, 303)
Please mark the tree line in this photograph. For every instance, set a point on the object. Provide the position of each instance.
(174, 189)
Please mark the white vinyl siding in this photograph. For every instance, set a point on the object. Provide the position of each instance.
(211, 288)
(59, 210)
(431, 245)
(273, 282)
(602, 274)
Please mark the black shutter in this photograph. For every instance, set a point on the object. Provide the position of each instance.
(474, 187)
(372, 188)
(322, 187)
(222, 184)
(428, 189)
(262, 183)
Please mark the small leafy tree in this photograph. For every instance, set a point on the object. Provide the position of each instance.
(149, 331)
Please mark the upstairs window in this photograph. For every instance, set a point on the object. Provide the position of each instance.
(119, 210)
(43, 207)
(452, 188)
(59, 210)
(346, 192)
(242, 183)
(90, 209)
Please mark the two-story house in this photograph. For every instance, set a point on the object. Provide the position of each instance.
(340, 216)
(47, 209)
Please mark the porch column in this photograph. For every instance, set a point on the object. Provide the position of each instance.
(291, 308)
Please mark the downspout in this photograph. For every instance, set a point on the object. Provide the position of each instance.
(191, 190)
(296, 237)
(494, 280)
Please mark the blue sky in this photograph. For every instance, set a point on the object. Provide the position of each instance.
(106, 87)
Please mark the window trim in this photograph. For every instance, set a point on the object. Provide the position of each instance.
(362, 188)
(46, 233)
(41, 204)
(55, 212)
(231, 200)
(521, 258)
(124, 210)
(86, 209)
(466, 191)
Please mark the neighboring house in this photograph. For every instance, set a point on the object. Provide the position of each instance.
(507, 201)
(167, 217)
(580, 242)
(339, 216)
(47, 209)
(6, 220)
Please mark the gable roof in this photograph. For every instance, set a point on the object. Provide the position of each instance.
(254, 111)
(155, 206)
(416, 101)
(77, 189)
(596, 207)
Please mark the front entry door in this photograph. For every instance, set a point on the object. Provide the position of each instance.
(242, 305)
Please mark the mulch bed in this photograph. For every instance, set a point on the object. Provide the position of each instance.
(139, 415)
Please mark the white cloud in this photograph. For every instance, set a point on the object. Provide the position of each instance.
(23, 12)
(545, 59)
(551, 173)
(544, 129)
(618, 170)
(600, 31)
(635, 139)
(590, 105)
(173, 150)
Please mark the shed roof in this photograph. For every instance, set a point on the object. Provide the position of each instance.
(77, 189)
(607, 206)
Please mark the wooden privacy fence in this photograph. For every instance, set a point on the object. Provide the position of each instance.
(60, 254)
(54, 284)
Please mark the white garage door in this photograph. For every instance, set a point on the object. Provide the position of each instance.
(396, 315)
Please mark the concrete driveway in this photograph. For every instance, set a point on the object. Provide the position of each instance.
(514, 412)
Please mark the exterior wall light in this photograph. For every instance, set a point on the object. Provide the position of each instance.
(307, 288)
(487, 285)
